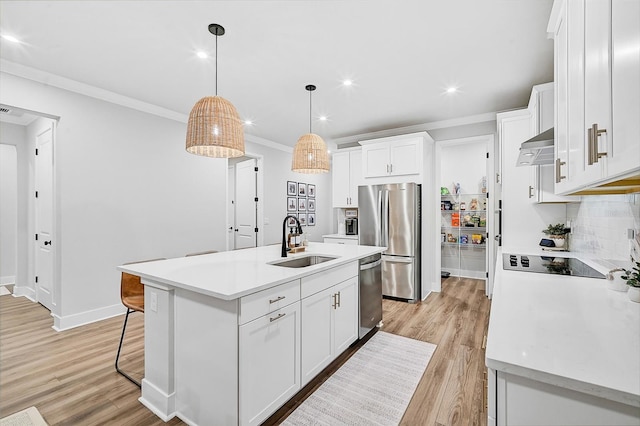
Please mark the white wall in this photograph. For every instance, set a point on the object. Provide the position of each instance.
(277, 171)
(8, 213)
(126, 190)
(15, 135)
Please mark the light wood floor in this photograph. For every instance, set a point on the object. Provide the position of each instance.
(69, 376)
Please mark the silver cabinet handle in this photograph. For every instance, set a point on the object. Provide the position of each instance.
(590, 146)
(530, 189)
(390, 168)
(333, 304)
(387, 168)
(279, 298)
(272, 319)
(595, 134)
(559, 176)
(338, 299)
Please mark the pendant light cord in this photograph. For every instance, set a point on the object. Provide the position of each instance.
(216, 64)
(310, 111)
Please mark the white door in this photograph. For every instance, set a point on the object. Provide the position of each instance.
(246, 204)
(231, 235)
(44, 218)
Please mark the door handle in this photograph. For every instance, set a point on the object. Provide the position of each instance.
(595, 134)
(559, 176)
(47, 243)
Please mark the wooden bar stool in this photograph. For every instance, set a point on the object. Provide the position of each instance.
(132, 296)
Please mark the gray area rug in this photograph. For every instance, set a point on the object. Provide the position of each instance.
(373, 387)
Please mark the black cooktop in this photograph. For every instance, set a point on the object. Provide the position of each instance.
(549, 265)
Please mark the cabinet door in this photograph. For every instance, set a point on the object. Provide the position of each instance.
(624, 153)
(269, 363)
(404, 158)
(340, 179)
(375, 160)
(317, 342)
(561, 76)
(597, 84)
(345, 315)
(355, 176)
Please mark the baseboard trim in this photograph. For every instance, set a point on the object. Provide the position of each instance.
(62, 323)
(161, 404)
(8, 279)
(21, 291)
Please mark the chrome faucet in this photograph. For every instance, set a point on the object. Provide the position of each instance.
(284, 233)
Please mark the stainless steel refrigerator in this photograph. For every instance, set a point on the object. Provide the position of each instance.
(389, 216)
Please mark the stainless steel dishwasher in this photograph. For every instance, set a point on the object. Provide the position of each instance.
(370, 293)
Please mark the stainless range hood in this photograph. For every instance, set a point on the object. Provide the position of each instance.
(537, 151)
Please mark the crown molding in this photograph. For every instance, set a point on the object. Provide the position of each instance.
(64, 83)
(454, 122)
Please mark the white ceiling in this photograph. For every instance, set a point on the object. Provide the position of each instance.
(401, 55)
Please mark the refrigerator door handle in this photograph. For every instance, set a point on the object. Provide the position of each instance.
(385, 219)
(397, 259)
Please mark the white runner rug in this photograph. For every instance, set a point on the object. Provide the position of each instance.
(373, 387)
(29, 417)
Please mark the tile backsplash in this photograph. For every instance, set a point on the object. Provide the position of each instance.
(600, 224)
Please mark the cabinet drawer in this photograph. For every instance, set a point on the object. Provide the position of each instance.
(349, 241)
(261, 303)
(325, 279)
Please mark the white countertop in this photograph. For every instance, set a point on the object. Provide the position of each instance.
(348, 237)
(568, 331)
(232, 274)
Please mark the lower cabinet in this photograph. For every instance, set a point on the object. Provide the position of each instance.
(329, 326)
(269, 363)
(516, 400)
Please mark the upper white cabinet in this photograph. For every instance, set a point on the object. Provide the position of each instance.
(346, 176)
(393, 156)
(597, 64)
(541, 187)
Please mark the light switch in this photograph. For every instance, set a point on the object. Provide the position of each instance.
(154, 301)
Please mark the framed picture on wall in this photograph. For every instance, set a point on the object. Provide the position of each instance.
(302, 218)
(311, 219)
(291, 222)
(292, 204)
(292, 188)
(311, 205)
(302, 204)
(311, 191)
(302, 189)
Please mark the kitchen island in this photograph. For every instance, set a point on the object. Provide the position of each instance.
(231, 336)
(562, 350)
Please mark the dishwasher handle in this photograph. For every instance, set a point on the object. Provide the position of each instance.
(370, 265)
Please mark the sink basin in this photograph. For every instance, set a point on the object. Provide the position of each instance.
(301, 262)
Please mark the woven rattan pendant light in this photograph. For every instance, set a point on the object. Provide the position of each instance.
(310, 153)
(214, 128)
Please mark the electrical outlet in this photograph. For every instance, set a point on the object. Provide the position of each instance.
(154, 302)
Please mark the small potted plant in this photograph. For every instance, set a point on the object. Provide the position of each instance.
(556, 233)
(633, 281)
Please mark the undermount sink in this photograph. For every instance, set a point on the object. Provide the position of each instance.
(301, 262)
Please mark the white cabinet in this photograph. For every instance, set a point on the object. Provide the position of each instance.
(269, 363)
(392, 156)
(522, 401)
(597, 95)
(541, 188)
(340, 240)
(329, 320)
(345, 178)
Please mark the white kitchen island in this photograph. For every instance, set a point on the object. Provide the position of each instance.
(230, 337)
(562, 350)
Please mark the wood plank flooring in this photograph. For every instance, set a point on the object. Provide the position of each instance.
(69, 376)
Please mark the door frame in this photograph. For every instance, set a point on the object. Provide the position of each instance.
(260, 191)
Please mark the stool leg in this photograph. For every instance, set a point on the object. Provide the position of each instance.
(124, 327)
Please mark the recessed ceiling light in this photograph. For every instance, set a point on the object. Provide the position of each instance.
(10, 38)
(202, 54)
(322, 118)
(524, 163)
(452, 90)
(528, 154)
(347, 82)
(248, 122)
